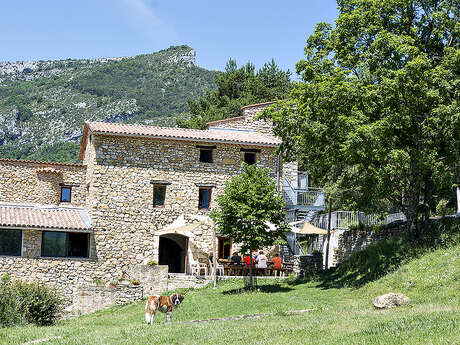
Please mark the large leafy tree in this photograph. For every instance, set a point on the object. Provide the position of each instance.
(375, 116)
(251, 210)
(237, 87)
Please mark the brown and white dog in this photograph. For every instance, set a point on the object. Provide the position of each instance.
(165, 304)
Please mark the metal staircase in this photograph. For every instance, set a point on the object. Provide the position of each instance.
(302, 204)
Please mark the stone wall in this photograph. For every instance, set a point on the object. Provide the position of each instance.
(351, 241)
(153, 278)
(29, 182)
(62, 273)
(88, 299)
(307, 265)
(247, 121)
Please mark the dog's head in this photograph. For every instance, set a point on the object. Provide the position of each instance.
(176, 299)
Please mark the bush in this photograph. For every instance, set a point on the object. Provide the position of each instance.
(39, 303)
(9, 305)
(27, 302)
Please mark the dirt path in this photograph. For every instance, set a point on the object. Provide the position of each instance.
(249, 316)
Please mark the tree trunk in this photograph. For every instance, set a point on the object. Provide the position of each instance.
(428, 203)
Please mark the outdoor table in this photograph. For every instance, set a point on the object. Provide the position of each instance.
(235, 269)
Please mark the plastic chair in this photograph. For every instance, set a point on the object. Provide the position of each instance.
(196, 267)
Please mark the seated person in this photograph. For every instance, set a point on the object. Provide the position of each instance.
(261, 261)
(236, 259)
(277, 262)
(247, 261)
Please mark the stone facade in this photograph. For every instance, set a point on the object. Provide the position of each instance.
(115, 184)
(248, 121)
(40, 182)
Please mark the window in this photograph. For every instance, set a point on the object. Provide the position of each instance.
(159, 195)
(250, 158)
(204, 202)
(224, 247)
(65, 244)
(10, 242)
(66, 193)
(205, 156)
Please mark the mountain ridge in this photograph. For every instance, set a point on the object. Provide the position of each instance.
(43, 104)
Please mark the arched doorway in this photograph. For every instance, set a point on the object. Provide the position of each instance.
(172, 252)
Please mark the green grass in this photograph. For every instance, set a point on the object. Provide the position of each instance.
(339, 314)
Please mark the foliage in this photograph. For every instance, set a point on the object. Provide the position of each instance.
(9, 305)
(249, 203)
(39, 303)
(152, 262)
(376, 117)
(66, 152)
(237, 87)
(28, 302)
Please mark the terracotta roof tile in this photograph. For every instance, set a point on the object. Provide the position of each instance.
(257, 105)
(223, 135)
(44, 217)
(216, 135)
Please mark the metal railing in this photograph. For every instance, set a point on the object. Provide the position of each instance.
(344, 219)
(302, 196)
(291, 239)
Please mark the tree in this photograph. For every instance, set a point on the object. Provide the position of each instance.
(237, 87)
(249, 207)
(375, 116)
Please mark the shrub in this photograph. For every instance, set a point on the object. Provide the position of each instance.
(9, 305)
(38, 303)
(27, 302)
(152, 263)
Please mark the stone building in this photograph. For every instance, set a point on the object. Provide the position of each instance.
(142, 194)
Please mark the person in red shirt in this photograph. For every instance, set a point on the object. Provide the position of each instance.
(277, 263)
(247, 261)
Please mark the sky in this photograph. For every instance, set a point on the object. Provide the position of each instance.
(250, 30)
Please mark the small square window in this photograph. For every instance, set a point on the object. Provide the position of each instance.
(205, 156)
(204, 202)
(159, 195)
(66, 194)
(249, 158)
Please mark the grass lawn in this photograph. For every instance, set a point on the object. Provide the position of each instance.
(338, 316)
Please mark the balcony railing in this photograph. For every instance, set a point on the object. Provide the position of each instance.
(302, 196)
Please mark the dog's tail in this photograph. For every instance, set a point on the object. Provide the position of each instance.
(151, 307)
(148, 315)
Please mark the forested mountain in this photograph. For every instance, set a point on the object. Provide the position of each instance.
(44, 104)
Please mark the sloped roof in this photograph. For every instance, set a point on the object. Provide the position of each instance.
(250, 138)
(44, 217)
(236, 118)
